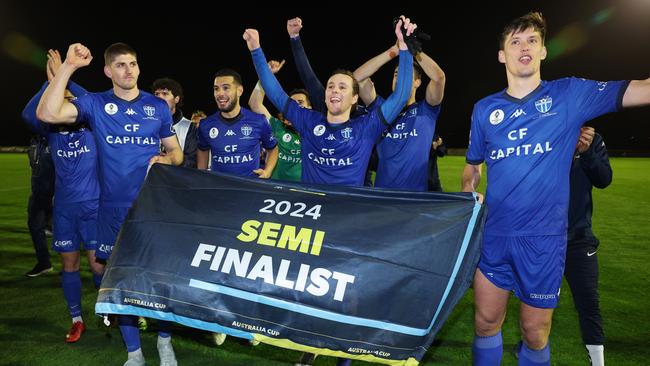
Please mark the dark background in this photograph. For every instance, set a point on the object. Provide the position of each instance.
(604, 40)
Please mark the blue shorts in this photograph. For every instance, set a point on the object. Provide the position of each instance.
(531, 266)
(109, 222)
(73, 224)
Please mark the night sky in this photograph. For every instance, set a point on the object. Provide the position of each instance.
(604, 40)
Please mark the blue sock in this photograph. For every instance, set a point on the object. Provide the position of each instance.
(130, 331)
(71, 283)
(164, 329)
(487, 351)
(97, 279)
(529, 357)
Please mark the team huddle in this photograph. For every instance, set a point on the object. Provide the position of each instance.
(529, 135)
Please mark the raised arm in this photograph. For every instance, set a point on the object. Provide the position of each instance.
(51, 68)
(310, 81)
(396, 101)
(276, 95)
(53, 65)
(637, 93)
(53, 108)
(256, 100)
(29, 113)
(436, 87)
(365, 71)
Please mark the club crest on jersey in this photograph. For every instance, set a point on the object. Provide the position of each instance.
(149, 110)
(346, 133)
(110, 108)
(496, 116)
(214, 132)
(286, 137)
(544, 105)
(319, 130)
(246, 130)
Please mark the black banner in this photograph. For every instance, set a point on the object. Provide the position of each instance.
(351, 272)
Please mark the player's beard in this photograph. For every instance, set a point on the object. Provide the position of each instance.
(230, 106)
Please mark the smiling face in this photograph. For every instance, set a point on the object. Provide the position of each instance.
(227, 93)
(340, 94)
(522, 53)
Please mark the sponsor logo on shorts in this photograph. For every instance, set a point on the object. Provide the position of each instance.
(63, 243)
(543, 296)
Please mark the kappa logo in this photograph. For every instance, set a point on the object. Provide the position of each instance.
(130, 112)
(230, 133)
(110, 108)
(496, 117)
(330, 137)
(319, 130)
(517, 113)
(246, 130)
(214, 132)
(544, 105)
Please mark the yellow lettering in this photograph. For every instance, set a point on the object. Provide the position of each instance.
(269, 233)
(249, 232)
(318, 242)
(289, 235)
(266, 233)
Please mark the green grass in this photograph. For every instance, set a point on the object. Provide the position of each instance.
(34, 320)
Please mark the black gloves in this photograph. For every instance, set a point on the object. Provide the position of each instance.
(414, 41)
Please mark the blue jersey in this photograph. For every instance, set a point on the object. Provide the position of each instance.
(336, 153)
(128, 134)
(73, 151)
(527, 145)
(235, 144)
(403, 151)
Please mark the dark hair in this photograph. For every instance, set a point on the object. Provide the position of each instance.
(355, 83)
(171, 85)
(533, 20)
(301, 91)
(117, 49)
(229, 72)
(417, 71)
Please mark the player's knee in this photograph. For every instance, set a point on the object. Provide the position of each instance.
(486, 326)
(535, 333)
